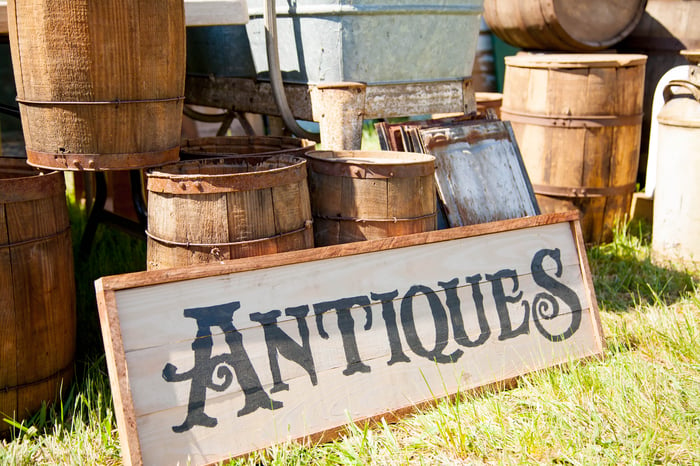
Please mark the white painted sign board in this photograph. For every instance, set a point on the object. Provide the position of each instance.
(209, 362)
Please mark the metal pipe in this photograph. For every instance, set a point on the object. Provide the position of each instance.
(273, 63)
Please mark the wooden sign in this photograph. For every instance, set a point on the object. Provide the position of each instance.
(209, 362)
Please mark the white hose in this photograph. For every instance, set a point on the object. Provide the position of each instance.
(273, 64)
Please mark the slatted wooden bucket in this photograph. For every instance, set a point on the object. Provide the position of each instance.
(563, 25)
(361, 195)
(100, 85)
(223, 146)
(577, 119)
(208, 210)
(37, 290)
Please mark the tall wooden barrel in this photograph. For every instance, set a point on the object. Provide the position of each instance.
(209, 210)
(577, 119)
(361, 195)
(563, 25)
(100, 84)
(223, 146)
(37, 289)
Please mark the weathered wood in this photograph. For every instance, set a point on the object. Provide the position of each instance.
(214, 209)
(386, 314)
(215, 12)
(480, 172)
(364, 195)
(94, 97)
(566, 25)
(37, 291)
(314, 103)
(577, 119)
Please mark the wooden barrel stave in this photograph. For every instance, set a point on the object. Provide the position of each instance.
(577, 119)
(37, 289)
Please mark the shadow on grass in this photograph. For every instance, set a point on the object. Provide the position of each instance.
(625, 276)
(113, 252)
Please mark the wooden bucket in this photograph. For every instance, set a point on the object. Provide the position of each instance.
(208, 210)
(100, 85)
(223, 146)
(37, 290)
(577, 119)
(563, 25)
(360, 195)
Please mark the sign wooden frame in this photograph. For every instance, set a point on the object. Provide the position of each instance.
(210, 362)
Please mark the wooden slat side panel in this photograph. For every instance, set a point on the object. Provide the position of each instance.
(448, 314)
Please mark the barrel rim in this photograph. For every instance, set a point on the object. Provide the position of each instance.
(575, 60)
(29, 184)
(163, 180)
(358, 164)
(197, 147)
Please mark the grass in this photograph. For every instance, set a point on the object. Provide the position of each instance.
(638, 405)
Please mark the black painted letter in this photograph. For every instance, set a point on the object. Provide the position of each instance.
(455, 307)
(392, 330)
(279, 342)
(202, 374)
(499, 295)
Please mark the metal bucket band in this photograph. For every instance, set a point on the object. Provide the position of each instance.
(36, 240)
(583, 191)
(115, 102)
(568, 121)
(391, 220)
(307, 225)
(93, 162)
(58, 374)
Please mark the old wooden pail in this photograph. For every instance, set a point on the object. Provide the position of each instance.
(100, 84)
(577, 119)
(676, 226)
(564, 25)
(223, 146)
(360, 195)
(214, 209)
(37, 290)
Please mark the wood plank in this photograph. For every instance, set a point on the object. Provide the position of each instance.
(198, 356)
(480, 172)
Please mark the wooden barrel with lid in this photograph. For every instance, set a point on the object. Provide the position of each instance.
(37, 290)
(563, 25)
(361, 195)
(100, 84)
(211, 209)
(577, 119)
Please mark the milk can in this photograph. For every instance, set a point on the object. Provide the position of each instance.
(676, 229)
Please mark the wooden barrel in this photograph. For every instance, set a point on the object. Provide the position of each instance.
(360, 195)
(223, 146)
(563, 25)
(37, 290)
(208, 210)
(100, 85)
(577, 119)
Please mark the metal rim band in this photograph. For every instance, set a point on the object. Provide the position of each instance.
(307, 225)
(568, 121)
(115, 102)
(389, 220)
(162, 182)
(582, 191)
(58, 374)
(91, 162)
(36, 240)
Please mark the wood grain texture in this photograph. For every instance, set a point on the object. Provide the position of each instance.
(577, 119)
(100, 84)
(143, 319)
(37, 291)
(563, 25)
(210, 210)
(361, 195)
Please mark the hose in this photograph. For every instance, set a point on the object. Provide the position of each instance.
(273, 63)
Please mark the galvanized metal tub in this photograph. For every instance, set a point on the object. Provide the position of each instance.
(370, 41)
